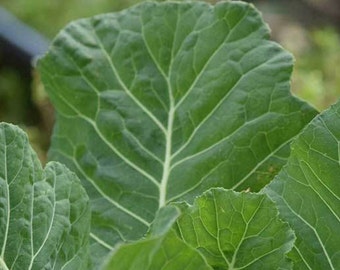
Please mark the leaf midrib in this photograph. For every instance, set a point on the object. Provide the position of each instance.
(8, 203)
(173, 106)
(168, 156)
(3, 265)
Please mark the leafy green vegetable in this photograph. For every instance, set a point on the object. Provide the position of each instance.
(237, 231)
(44, 214)
(162, 101)
(157, 106)
(307, 192)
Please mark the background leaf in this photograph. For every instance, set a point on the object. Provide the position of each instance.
(44, 214)
(237, 231)
(307, 192)
(163, 101)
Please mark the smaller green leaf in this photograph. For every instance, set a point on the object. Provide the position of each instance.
(44, 214)
(237, 231)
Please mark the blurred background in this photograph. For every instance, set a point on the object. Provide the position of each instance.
(307, 28)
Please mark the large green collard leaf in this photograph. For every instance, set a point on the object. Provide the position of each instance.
(307, 192)
(237, 231)
(44, 214)
(160, 102)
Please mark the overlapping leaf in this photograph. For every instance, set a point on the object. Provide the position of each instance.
(44, 214)
(237, 231)
(307, 192)
(160, 102)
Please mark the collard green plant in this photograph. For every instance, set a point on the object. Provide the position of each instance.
(160, 102)
(44, 214)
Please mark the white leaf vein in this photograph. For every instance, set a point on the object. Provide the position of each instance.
(101, 241)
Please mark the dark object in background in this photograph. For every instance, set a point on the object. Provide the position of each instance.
(309, 13)
(327, 8)
(20, 45)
